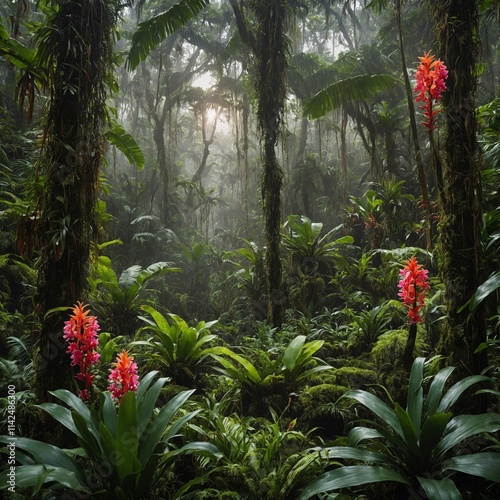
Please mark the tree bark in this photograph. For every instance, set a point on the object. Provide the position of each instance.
(71, 154)
(462, 259)
(272, 61)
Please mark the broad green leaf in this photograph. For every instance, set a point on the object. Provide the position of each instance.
(377, 406)
(123, 141)
(61, 414)
(28, 476)
(172, 430)
(150, 439)
(88, 441)
(484, 290)
(455, 391)
(358, 434)
(416, 394)
(308, 350)
(440, 489)
(485, 465)
(350, 476)
(187, 341)
(465, 426)
(146, 405)
(198, 448)
(160, 320)
(436, 390)
(361, 454)
(126, 431)
(250, 372)
(179, 322)
(409, 431)
(292, 352)
(108, 444)
(146, 381)
(47, 454)
(432, 432)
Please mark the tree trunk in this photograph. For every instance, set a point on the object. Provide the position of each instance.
(71, 155)
(462, 260)
(271, 56)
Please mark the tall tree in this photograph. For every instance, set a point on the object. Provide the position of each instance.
(76, 47)
(456, 24)
(271, 52)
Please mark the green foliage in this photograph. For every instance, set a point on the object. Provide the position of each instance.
(150, 33)
(303, 240)
(296, 359)
(175, 346)
(355, 88)
(117, 301)
(413, 446)
(260, 458)
(368, 325)
(117, 136)
(124, 452)
(296, 365)
(312, 257)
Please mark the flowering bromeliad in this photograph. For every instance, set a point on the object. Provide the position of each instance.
(413, 284)
(431, 76)
(80, 331)
(123, 377)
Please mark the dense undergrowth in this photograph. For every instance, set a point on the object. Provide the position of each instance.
(233, 408)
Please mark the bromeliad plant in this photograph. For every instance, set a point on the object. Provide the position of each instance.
(284, 374)
(414, 446)
(122, 454)
(178, 348)
(125, 444)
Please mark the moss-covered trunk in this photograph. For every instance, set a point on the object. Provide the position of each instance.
(272, 60)
(77, 48)
(461, 265)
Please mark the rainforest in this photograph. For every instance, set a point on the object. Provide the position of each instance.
(250, 249)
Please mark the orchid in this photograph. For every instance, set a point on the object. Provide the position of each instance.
(431, 76)
(413, 284)
(123, 377)
(80, 331)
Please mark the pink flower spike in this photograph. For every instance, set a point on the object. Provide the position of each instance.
(81, 333)
(412, 286)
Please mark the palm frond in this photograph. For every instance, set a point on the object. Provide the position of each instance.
(124, 142)
(355, 88)
(152, 32)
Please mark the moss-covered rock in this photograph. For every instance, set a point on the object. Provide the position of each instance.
(319, 409)
(354, 377)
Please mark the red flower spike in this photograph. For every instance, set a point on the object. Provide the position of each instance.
(431, 76)
(123, 377)
(81, 331)
(413, 284)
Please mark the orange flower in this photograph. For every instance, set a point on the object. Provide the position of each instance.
(431, 76)
(123, 377)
